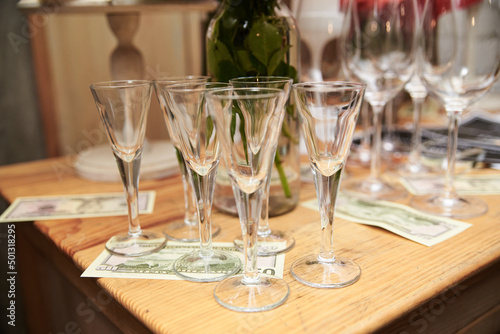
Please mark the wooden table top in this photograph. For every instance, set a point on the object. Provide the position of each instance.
(398, 275)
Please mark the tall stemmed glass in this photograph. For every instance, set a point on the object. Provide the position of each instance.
(186, 229)
(328, 113)
(379, 49)
(199, 145)
(269, 242)
(418, 93)
(461, 60)
(123, 107)
(248, 123)
(414, 165)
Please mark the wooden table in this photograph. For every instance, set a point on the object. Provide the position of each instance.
(405, 287)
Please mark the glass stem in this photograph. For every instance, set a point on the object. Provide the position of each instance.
(129, 172)
(389, 120)
(190, 211)
(376, 153)
(365, 118)
(416, 137)
(449, 188)
(327, 188)
(263, 229)
(203, 186)
(249, 209)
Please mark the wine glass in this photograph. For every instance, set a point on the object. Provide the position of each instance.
(414, 167)
(460, 62)
(123, 107)
(248, 123)
(379, 49)
(269, 242)
(320, 23)
(417, 91)
(186, 229)
(328, 113)
(199, 145)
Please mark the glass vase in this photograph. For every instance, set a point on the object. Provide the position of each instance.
(259, 38)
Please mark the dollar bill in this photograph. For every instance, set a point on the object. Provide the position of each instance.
(464, 184)
(397, 218)
(74, 206)
(159, 265)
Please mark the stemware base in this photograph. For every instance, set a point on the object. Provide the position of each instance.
(313, 271)
(144, 243)
(182, 231)
(374, 189)
(266, 293)
(360, 156)
(456, 207)
(198, 268)
(276, 242)
(414, 170)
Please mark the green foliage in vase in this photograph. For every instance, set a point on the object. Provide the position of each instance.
(249, 39)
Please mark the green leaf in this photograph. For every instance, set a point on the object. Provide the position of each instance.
(276, 59)
(264, 40)
(216, 53)
(226, 70)
(287, 71)
(245, 61)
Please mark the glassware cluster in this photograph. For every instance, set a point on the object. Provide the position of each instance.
(450, 51)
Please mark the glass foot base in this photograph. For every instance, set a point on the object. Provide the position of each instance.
(321, 274)
(360, 156)
(456, 207)
(145, 243)
(196, 268)
(415, 170)
(267, 293)
(182, 231)
(275, 243)
(374, 189)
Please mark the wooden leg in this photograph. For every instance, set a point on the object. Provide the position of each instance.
(126, 60)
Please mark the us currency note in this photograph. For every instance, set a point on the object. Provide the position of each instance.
(397, 218)
(464, 184)
(159, 265)
(74, 206)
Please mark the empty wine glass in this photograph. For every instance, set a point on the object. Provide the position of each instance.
(269, 242)
(418, 93)
(460, 62)
(379, 50)
(199, 145)
(328, 113)
(248, 123)
(186, 229)
(123, 107)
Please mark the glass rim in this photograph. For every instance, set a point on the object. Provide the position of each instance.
(181, 78)
(266, 79)
(326, 85)
(120, 84)
(183, 86)
(217, 93)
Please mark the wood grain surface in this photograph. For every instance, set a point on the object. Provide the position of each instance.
(404, 287)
